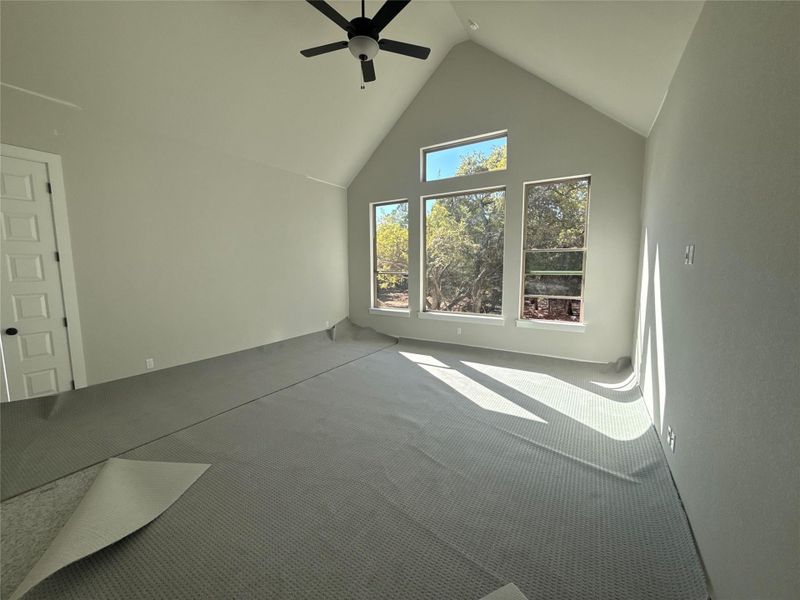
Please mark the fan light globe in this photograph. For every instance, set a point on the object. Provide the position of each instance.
(363, 47)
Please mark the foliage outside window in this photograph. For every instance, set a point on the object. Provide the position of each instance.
(464, 252)
(477, 155)
(390, 254)
(554, 250)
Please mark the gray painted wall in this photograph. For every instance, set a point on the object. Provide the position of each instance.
(551, 134)
(183, 252)
(719, 341)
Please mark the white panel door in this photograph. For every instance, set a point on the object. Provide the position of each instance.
(34, 334)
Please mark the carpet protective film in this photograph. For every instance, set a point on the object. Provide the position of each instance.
(125, 496)
(419, 471)
(47, 438)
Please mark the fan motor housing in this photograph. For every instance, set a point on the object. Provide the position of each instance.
(362, 26)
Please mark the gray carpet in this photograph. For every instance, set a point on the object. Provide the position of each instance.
(47, 438)
(445, 472)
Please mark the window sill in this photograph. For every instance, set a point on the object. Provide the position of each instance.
(552, 325)
(390, 312)
(462, 318)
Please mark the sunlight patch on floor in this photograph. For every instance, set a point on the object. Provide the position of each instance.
(616, 420)
(423, 359)
(470, 389)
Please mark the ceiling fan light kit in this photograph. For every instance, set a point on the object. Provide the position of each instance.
(363, 47)
(363, 36)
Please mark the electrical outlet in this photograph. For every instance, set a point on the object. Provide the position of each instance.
(149, 363)
(458, 330)
(688, 255)
(671, 438)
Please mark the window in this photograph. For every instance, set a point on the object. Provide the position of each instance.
(464, 252)
(390, 254)
(554, 249)
(467, 157)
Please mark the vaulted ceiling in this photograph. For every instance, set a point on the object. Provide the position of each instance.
(618, 57)
(229, 74)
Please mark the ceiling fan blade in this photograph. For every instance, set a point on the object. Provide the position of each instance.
(405, 49)
(368, 70)
(330, 12)
(387, 12)
(317, 50)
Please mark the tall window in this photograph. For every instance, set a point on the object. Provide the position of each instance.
(464, 252)
(554, 249)
(390, 254)
(467, 157)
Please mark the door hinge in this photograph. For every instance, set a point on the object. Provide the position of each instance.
(65, 322)
(58, 256)
(49, 188)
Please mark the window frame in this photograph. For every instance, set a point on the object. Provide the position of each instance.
(423, 309)
(374, 257)
(525, 251)
(484, 137)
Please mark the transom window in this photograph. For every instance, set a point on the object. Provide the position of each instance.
(466, 157)
(554, 249)
(463, 259)
(390, 254)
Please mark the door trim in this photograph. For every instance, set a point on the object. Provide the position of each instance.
(66, 266)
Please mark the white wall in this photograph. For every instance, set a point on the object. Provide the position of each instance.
(720, 340)
(183, 252)
(550, 135)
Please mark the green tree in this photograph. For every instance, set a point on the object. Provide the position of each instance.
(464, 243)
(478, 162)
(555, 215)
(447, 246)
(391, 247)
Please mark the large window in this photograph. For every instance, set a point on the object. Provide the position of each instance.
(554, 249)
(464, 252)
(467, 157)
(390, 254)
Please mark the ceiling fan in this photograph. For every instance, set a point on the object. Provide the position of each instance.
(363, 35)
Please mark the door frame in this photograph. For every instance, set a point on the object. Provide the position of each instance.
(66, 265)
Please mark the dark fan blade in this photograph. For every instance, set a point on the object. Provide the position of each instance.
(309, 52)
(404, 49)
(368, 70)
(330, 12)
(387, 12)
